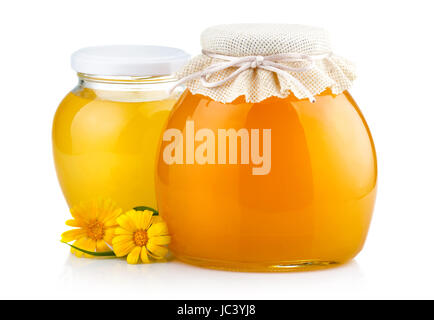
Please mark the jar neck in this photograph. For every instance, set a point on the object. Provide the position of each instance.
(129, 88)
(125, 83)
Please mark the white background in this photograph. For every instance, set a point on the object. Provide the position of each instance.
(392, 44)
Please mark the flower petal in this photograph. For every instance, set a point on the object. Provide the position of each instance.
(122, 249)
(158, 229)
(122, 231)
(74, 234)
(108, 235)
(111, 223)
(111, 217)
(91, 212)
(141, 219)
(73, 223)
(144, 255)
(79, 211)
(102, 208)
(126, 222)
(156, 251)
(159, 241)
(101, 246)
(122, 239)
(85, 244)
(89, 245)
(133, 257)
(78, 244)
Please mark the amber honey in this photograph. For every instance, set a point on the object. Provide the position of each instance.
(312, 209)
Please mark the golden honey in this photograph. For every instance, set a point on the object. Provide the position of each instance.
(105, 144)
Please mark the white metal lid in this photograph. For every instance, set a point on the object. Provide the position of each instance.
(128, 60)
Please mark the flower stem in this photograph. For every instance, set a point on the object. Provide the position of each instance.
(96, 254)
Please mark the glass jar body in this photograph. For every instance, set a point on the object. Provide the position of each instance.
(105, 137)
(312, 209)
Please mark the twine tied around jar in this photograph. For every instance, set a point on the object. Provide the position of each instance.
(268, 63)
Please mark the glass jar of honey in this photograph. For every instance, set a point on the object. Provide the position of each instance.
(266, 162)
(106, 130)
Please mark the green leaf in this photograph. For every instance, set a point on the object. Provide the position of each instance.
(143, 208)
(96, 254)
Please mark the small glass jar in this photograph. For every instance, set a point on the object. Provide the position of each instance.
(106, 130)
(277, 184)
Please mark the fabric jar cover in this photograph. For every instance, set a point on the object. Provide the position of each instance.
(308, 66)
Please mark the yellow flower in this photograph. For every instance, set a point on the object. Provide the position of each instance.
(96, 223)
(140, 235)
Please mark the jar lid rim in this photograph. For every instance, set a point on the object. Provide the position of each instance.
(129, 60)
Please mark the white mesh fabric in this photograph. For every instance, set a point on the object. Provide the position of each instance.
(256, 85)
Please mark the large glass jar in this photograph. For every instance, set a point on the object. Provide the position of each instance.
(274, 185)
(106, 130)
(312, 209)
